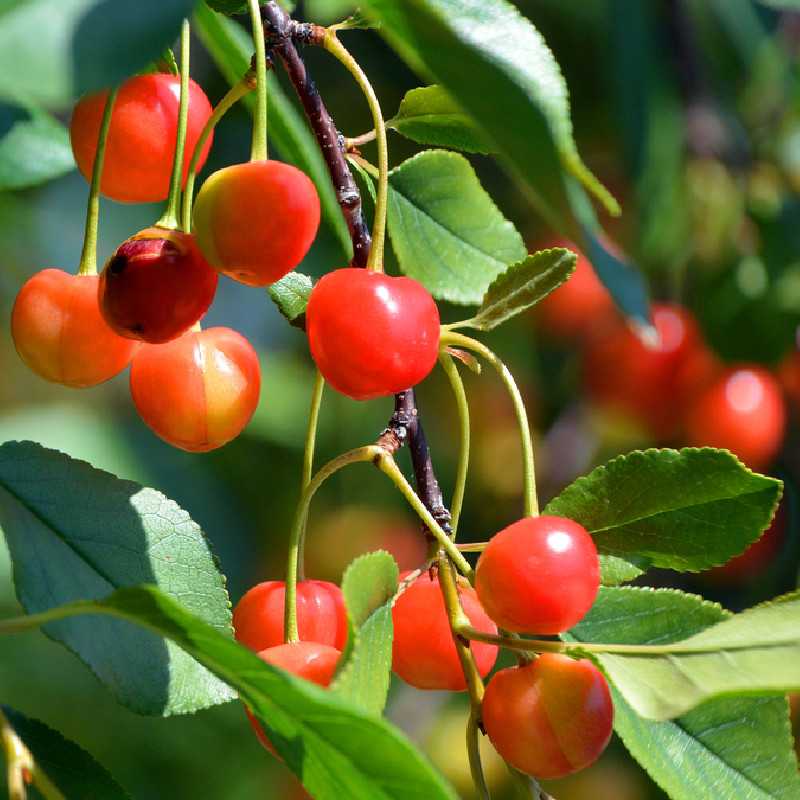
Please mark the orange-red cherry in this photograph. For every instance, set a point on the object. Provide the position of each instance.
(372, 335)
(423, 651)
(321, 615)
(156, 286)
(551, 717)
(538, 575)
(255, 222)
(61, 335)
(141, 140)
(199, 391)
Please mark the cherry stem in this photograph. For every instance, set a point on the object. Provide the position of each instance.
(336, 48)
(258, 150)
(450, 337)
(462, 408)
(169, 220)
(235, 93)
(358, 141)
(88, 262)
(21, 769)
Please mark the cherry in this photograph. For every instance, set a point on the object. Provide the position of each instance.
(141, 140)
(550, 717)
(538, 575)
(199, 391)
(321, 615)
(255, 222)
(60, 334)
(156, 286)
(372, 335)
(743, 411)
(423, 651)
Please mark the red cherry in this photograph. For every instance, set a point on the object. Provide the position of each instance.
(141, 140)
(372, 335)
(199, 391)
(551, 717)
(321, 615)
(255, 222)
(423, 651)
(539, 575)
(788, 374)
(742, 412)
(156, 286)
(60, 334)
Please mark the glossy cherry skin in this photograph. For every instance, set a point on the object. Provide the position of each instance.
(423, 652)
(197, 392)
(744, 412)
(141, 140)
(60, 334)
(538, 575)
(156, 286)
(372, 335)
(321, 615)
(255, 222)
(551, 717)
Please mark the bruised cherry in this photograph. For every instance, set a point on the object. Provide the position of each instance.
(372, 335)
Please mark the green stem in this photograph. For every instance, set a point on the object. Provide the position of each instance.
(462, 407)
(452, 338)
(169, 220)
(336, 48)
(258, 150)
(235, 93)
(474, 755)
(88, 262)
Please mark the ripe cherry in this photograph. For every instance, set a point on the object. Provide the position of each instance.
(423, 651)
(551, 717)
(743, 411)
(141, 140)
(372, 335)
(255, 222)
(199, 391)
(538, 575)
(60, 334)
(321, 615)
(156, 286)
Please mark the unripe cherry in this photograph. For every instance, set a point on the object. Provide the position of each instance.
(199, 391)
(538, 575)
(551, 717)
(321, 615)
(423, 651)
(60, 334)
(255, 222)
(372, 335)
(142, 137)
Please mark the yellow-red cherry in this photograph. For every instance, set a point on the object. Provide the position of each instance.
(156, 286)
(538, 575)
(61, 335)
(199, 391)
(321, 614)
(255, 222)
(141, 139)
(551, 717)
(423, 652)
(372, 335)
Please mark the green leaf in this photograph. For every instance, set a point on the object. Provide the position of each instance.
(75, 532)
(231, 48)
(614, 571)
(523, 285)
(337, 751)
(445, 229)
(686, 510)
(34, 147)
(327, 11)
(51, 51)
(429, 115)
(70, 768)
(291, 295)
(368, 585)
(731, 747)
(228, 6)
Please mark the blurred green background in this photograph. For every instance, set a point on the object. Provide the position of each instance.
(689, 112)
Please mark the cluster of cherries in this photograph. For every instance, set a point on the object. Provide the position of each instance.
(549, 716)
